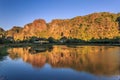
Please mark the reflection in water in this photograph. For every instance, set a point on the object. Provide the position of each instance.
(99, 60)
(3, 53)
(35, 50)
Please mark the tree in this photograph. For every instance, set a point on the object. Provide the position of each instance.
(118, 20)
(51, 40)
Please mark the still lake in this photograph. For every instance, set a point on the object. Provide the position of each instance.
(60, 62)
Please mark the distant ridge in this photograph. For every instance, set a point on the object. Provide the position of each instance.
(93, 26)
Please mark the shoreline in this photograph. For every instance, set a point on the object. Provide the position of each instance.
(52, 44)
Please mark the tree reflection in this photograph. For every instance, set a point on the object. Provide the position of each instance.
(3, 53)
(99, 60)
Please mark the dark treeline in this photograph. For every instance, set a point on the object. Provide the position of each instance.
(62, 40)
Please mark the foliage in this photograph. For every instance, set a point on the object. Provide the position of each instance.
(52, 40)
(93, 27)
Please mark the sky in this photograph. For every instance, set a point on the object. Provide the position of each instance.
(21, 12)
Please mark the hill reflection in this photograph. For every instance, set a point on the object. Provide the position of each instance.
(99, 60)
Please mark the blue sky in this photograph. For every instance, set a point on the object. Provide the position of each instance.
(21, 12)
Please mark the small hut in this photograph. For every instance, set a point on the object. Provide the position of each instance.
(41, 41)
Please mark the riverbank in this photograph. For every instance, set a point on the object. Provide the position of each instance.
(51, 44)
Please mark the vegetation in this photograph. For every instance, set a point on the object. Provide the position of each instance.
(97, 27)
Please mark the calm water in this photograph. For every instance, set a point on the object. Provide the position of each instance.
(60, 63)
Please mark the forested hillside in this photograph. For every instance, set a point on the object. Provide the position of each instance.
(102, 25)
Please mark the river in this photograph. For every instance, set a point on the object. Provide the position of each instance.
(60, 62)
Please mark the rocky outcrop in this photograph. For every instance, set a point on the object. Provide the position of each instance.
(93, 26)
(29, 30)
(14, 32)
(33, 29)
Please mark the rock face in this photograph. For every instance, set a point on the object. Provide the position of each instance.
(29, 30)
(33, 29)
(93, 26)
(14, 32)
(59, 28)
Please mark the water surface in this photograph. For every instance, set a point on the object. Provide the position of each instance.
(60, 63)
